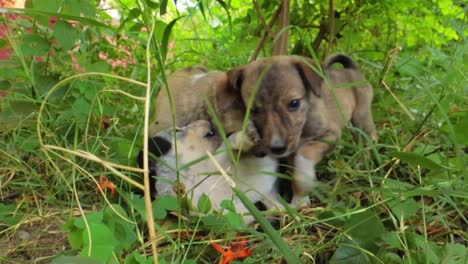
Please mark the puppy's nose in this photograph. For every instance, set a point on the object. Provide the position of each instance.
(278, 150)
(277, 146)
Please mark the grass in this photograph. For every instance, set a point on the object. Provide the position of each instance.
(405, 204)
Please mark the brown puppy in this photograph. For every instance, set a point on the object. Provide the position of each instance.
(298, 115)
(192, 89)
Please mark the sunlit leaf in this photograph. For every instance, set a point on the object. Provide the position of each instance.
(65, 34)
(415, 159)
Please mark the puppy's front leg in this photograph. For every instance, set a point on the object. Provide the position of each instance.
(304, 178)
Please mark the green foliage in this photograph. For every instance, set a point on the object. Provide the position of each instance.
(406, 205)
(9, 215)
(100, 235)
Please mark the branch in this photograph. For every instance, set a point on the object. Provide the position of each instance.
(262, 19)
(264, 34)
(331, 31)
(280, 46)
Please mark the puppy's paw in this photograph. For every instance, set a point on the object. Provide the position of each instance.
(252, 132)
(300, 201)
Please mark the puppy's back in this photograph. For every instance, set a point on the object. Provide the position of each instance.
(188, 87)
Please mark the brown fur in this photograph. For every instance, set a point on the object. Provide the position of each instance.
(304, 130)
(192, 89)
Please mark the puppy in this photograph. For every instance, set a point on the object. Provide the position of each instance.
(298, 115)
(193, 141)
(192, 90)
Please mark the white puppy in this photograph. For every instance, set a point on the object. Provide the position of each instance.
(252, 175)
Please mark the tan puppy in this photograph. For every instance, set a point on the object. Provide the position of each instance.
(192, 89)
(298, 115)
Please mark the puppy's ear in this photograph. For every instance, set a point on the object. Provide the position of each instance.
(228, 97)
(235, 79)
(158, 147)
(312, 81)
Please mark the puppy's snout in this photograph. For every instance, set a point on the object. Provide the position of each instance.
(278, 146)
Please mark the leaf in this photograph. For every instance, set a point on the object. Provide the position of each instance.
(30, 144)
(228, 205)
(136, 202)
(366, 227)
(135, 257)
(391, 238)
(429, 251)
(95, 217)
(455, 254)
(81, 107)
(226, 8)
(100, 245)
(415, 159)
(364, 231)
(76, 238)
(163, 204)
(123, 231)
(152, 4)
(47, 14)
(34, 45)
(234, 220)
(165, 37)
(65, 34)
(204, 204)
(403, 209)
(162, 9)
(8, 214)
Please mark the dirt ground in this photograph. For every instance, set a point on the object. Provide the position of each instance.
(36, 239)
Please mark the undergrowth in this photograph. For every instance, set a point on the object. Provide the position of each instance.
(72, 119)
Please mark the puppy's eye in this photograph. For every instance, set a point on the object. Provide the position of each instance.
(210, 133)
(294, 105)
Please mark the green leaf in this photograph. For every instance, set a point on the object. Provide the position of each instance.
(136, 202)
(204, 204)
(391, 238)
(123, 230)
(162, 205)
(165, 37)
(34, 45)
(234, 220)
(30, 144)
(65, 34)
(162, 9)
(228, 205)
(403, 209)
(363, 231)
(137, 258)
(415, 159)
(455, 254)
(95, 217)
(8, 214)
(76, 238)
(152, 4)
(81, 107)
(100, 245)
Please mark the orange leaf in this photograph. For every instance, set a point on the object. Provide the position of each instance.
(232, 251)
(104, 183)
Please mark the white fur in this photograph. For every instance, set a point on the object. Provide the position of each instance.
(304, 180)
(197, 76)
(251, 175)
